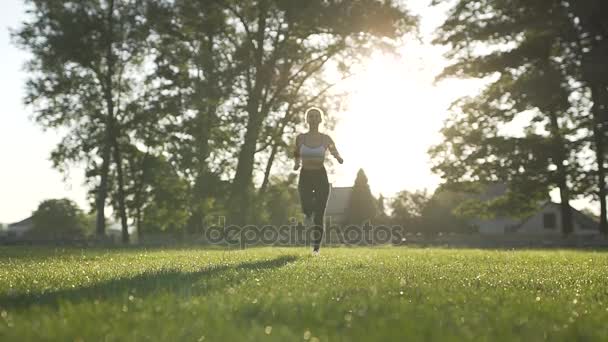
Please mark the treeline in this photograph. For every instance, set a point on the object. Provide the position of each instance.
(540, 123)
(62, 220)
(182, 110)
(413, 211)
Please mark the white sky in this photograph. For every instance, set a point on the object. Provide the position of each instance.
(396, 112)
(26, 174)
(394, 116)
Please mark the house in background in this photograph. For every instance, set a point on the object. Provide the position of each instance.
(546, 221)
(17, 229)
(337, 204)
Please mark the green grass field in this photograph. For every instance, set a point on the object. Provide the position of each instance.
(284, 294)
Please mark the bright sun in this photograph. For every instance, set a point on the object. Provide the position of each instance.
(394, 115)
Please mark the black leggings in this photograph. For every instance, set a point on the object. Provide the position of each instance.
(314, 192)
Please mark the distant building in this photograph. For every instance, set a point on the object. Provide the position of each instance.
(17, 229)
(546, 221)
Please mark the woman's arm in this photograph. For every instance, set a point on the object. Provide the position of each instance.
(333, 150)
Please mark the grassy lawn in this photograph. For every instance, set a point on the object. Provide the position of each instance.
(284, 294)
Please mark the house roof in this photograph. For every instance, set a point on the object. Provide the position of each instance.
(338, 200)
(584, 221)
(27, 221)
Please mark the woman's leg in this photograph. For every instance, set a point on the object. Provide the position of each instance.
(320, 202)
(305, 190)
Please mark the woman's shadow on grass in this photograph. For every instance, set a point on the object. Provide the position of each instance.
(175, 282)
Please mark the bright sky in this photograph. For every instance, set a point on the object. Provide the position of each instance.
(26, 174)
(396, 112)
(394, 116)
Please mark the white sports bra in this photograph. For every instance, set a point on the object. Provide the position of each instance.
(312, 153)
(317, 153)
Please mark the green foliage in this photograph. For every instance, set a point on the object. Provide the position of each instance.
(157, 197)
(58, 219)
(282, 201)
(165, 102)
(362, 206)
(90, 222)
(440, 214)
(407, 208)
(382, 217)
(420, 212)
(84, 72)
(284, 294)
(285, 49)
(529, 61)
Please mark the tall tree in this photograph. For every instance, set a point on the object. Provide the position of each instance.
(407, 208)
(57, 219)
(362, 204)
(525, 49)
(382, 217)
(81, 81)
(589, 51)
(283, 41)
(194, 73)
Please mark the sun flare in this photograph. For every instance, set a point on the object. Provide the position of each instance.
(394, 115)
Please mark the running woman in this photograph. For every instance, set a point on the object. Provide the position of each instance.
(313, 185)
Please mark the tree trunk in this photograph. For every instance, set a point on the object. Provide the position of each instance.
(106, 154)
(202, 136)
(278, 139)
(566, 210)
(102, 192)
(139, 188)
(240, 196)
(140, 235)
(562, 175)
(598, 136)
(121, 192)
(591, 24)
(273, 153)
(205, 121)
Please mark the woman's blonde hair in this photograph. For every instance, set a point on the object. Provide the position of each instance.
(313, 109)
